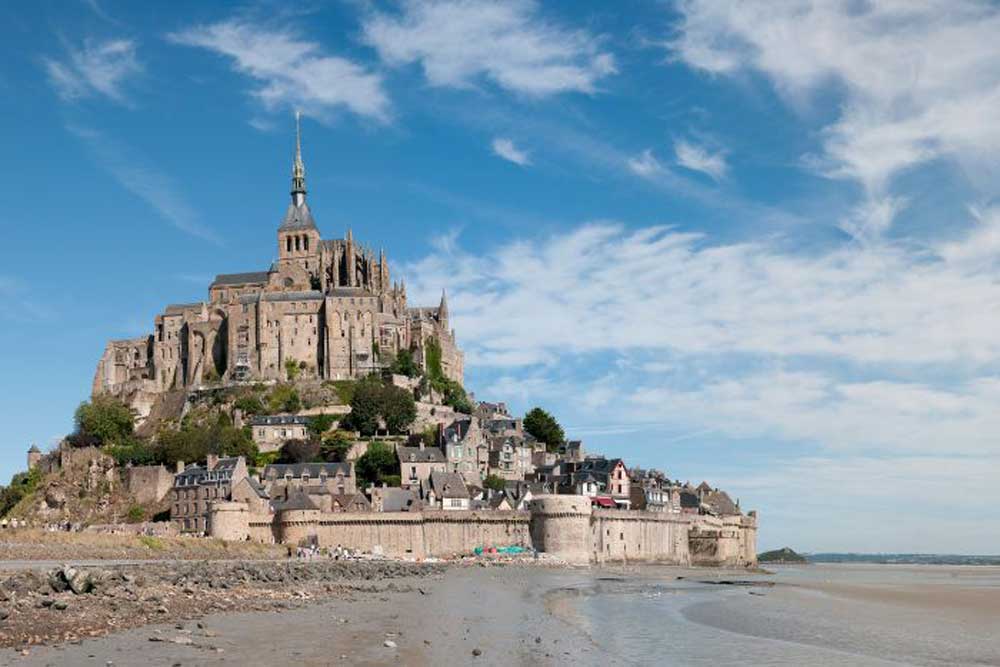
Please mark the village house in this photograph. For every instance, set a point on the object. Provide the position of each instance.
(417, 463)
(510, 457)
(394, 499)
(465, 449)
(335, 478)
(447, 491)
(271, 431)
(196, 487)
(612, 478)
(349, 502)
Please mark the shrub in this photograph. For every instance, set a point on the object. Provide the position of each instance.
(300, 451)
(404, 364)
(22, 484)
(249, 405)
(135, 514)
(292, 369)
(335, 446)
(104, 419)
(320, 424)
(494, 482)
(150, 542)
(284, 398)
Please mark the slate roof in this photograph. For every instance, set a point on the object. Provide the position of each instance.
(278, 420)
(458, 429)
(348, 500)
(448, 485)
(240, 278)
(279, 470)
(297, 500)
(311, 295)
(350, 291)
(399, 500)
(297, 217)
(720, 503)
(198, 474)
(418, 455)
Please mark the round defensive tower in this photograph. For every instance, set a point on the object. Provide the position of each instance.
(298, 526)
(228, 521)
(560, 526)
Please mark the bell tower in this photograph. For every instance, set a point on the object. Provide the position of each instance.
(298, 237)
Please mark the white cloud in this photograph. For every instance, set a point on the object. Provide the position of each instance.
(293, 72)
(96, 68)
(697, 158)
(506, 149)
(144, 181)
(645, 164)
(883, 346)
(510, 43)
(919, 80)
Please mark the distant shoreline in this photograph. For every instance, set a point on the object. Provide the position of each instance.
(902, 559)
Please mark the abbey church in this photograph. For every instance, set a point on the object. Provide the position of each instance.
(328, 307)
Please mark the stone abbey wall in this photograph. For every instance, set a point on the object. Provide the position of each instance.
(563, 526)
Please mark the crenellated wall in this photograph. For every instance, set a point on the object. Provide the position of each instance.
(564, 526)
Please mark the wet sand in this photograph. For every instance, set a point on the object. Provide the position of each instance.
(515, 615)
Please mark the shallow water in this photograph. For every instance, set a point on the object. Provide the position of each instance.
(654, 618)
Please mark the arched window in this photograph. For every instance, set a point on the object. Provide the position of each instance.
(305, 243)
(288, 243)
(296, 242)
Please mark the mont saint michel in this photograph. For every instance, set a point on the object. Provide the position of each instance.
(466, 332)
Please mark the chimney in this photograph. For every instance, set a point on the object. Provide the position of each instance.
(180, 467)
(211, 461)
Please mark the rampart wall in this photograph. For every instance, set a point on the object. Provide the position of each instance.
(563, 526)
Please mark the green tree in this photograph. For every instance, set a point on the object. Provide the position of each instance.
(544, 427)
(292, 369)
(320, 424)
(397, 408)
(300, 451)
(21, 485)
(377, 465)
(335, 446)
(494, 482)
(365, 407)
(405, 364)
(105, 420)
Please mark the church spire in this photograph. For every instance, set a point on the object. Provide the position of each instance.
(443, 309)
(298, 169)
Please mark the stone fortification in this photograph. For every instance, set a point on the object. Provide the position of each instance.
(563, 526)
(326, 309)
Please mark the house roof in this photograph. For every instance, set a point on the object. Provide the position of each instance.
(399, 500)
(603, 501)
(297, 500)
(720, 503)
(420, 455)
(311, 469)
(448, 485)
(349, 499)
(252, 277)
(278, 420)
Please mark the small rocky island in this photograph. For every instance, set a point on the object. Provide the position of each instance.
(785, 555)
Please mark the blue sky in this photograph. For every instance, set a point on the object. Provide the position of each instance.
(750, 243)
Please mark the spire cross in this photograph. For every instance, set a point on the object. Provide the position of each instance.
(298, 169)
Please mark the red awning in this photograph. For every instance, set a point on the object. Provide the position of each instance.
(603, 501)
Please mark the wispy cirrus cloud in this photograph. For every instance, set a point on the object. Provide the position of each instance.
(506, 149)
(460, 42)
(292, 71)
(698, 158)
(96, 68)
(748, 339)
(144, 181)
(917, 82)
(644, 164)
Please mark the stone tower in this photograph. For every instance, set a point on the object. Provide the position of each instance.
(34, 456)
(298, 236)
